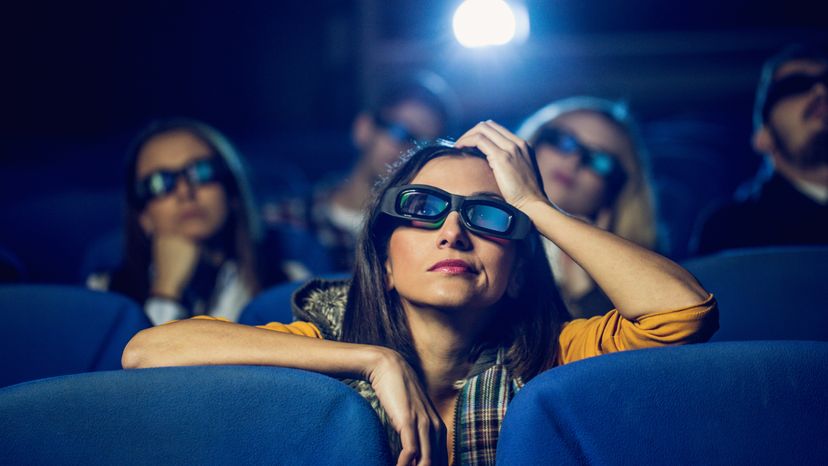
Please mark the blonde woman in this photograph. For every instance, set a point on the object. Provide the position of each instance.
(594, 166)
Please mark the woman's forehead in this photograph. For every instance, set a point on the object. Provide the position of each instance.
(171, 150)
(597, 131)
(458, 174)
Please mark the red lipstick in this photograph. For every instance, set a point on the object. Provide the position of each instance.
(564, 179)
(452, 267)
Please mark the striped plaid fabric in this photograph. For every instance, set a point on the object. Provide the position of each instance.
(482, 403)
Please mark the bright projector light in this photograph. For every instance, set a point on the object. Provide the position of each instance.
(480, 23)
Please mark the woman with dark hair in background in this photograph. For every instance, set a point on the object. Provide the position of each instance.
(193, 242)
(452, 308)
(594, 166)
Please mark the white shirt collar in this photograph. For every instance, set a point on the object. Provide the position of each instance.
(817, 192)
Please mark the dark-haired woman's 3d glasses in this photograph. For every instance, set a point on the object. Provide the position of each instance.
(600, 162)
(427, 207)
(162, 182)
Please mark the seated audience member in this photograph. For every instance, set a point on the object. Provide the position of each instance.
(594, 167)
(787, 203)
(451, 309)
(193, 243)
(413, 110)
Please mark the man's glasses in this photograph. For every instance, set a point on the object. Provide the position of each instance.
(162, 182)
(427, 207)
(600, 162)
(789, 86)
(396, 130)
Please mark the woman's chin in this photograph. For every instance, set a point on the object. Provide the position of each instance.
(455, 298)
(197, 233)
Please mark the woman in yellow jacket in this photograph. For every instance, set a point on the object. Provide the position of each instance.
(452, 306)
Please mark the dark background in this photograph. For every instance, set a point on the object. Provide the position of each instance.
(284, 80)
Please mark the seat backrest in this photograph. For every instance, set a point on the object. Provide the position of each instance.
(191, 416)
(274, 304)
(271, 305)
(50, 330)
(50, 233)
(768, 293)
(730, 403)
(103, 254)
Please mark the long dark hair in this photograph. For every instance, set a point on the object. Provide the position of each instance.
(528, 324)
(241, 235)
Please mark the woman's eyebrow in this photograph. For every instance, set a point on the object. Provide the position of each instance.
(487, 194)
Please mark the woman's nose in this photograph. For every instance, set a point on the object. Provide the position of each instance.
(184, 189)
(570, 163)
(453, 233)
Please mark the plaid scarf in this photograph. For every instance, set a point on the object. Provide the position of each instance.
(483, 397)
(481, 407)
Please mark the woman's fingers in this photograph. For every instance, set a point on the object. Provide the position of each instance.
(426, 439)
(490, 132)
(520, 142)
(423, 440)
(510, 160)
(500, 136)
(410, 446)
(484, 143)
(408, 408)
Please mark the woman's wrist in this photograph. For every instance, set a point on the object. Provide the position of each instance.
(375, 357)
(165, 291)
(539, 209)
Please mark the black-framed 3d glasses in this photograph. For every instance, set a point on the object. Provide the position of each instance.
(162, 182)
(600, 162)
(789, 86)
(428, 207)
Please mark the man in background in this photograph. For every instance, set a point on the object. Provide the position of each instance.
(788, 202)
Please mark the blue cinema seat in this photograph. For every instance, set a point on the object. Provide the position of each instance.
(730, 403)
(102, 255)
(768, 293)
(274, 304)
(219, 415)
(49, 233)
(49, 330)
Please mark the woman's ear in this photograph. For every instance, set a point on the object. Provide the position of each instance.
(763, 141)
(146, 223)
(362, 130)
(389, 275)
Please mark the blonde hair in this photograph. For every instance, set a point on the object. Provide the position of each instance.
(633, 209)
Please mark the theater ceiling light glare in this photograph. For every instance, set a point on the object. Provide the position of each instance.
(483, 23)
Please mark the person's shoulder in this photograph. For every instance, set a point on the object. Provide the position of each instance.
(723, 225)
(322, 302)
(724, 214)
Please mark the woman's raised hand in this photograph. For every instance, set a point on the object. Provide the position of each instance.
(174, 259)
(422, 432)
(510, 159)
